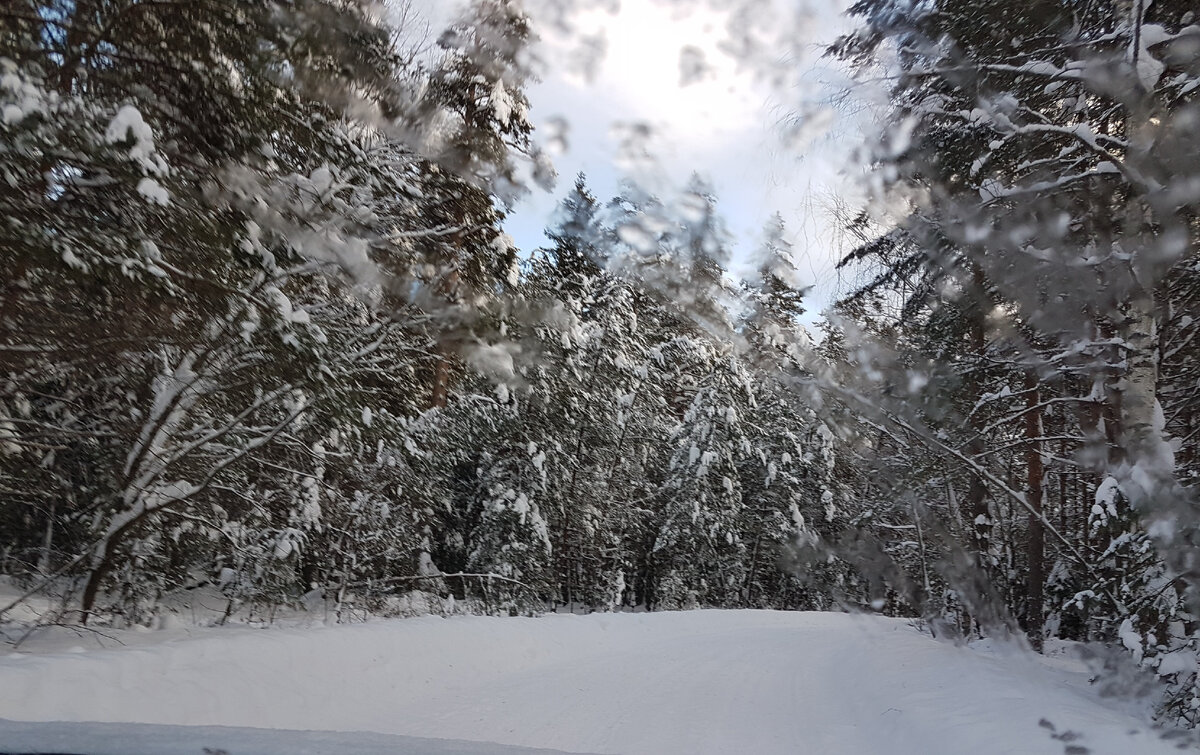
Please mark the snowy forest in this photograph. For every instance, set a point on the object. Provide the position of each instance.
(264, 334)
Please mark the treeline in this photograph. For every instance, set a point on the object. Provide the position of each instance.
(262, 332)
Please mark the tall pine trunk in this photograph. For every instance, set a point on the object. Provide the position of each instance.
(1035, 483)
(977, 508)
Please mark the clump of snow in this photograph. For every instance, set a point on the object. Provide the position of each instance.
(1178, 662)
(21, 98)
(1105, 506)
(128, 124)
(1131, 639)
(493, 359)
(153, 191)
(502, 103)
(1149, 68)
(830, 506)
(506, 246)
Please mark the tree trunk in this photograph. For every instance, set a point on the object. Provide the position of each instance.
(441, 377)
(1035, 482)
(1141, 432)
(443, 354)
(47, 557)
(977, 507)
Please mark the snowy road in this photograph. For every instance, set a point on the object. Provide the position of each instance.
(690, 682)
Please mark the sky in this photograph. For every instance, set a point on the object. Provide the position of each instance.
(750, 110)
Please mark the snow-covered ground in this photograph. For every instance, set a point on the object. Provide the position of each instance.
(689, 682)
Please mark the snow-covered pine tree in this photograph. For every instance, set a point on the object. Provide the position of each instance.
(190, 190)
(786, 480)
(1052, 162)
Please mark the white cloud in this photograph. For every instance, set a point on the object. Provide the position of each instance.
(755, 125)
(640, 75)
(754, 118)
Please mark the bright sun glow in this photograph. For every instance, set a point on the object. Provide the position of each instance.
(646, 48)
